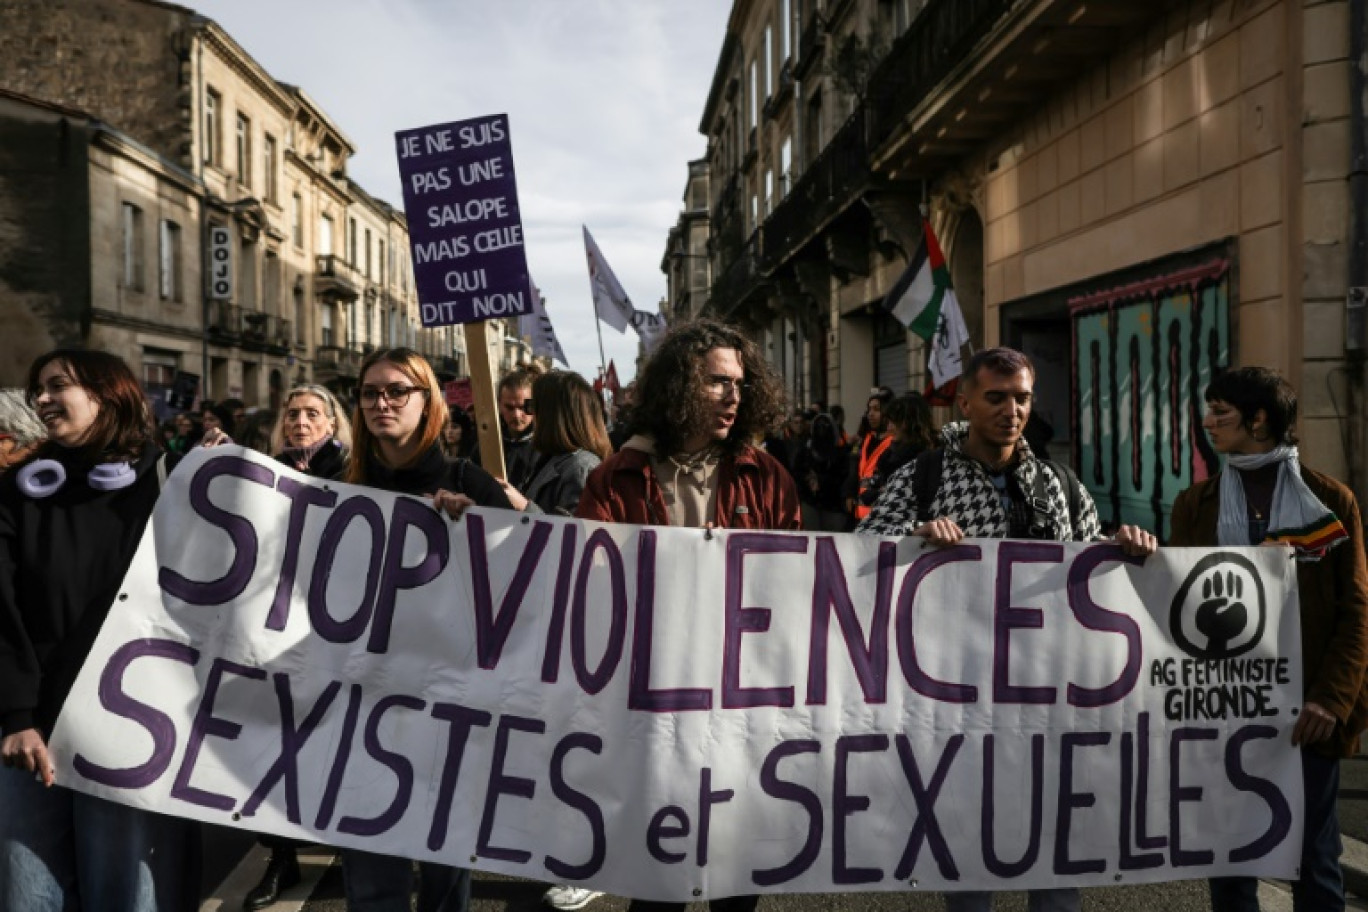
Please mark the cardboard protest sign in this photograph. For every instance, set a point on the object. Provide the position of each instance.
(674, 714)
(465, 226)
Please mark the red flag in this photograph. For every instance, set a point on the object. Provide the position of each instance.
(610, 380)
(944, 395)
(598, 381)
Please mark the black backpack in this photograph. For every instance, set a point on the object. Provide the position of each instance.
(928, 477)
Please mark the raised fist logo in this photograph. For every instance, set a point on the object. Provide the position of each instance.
(1219, 611)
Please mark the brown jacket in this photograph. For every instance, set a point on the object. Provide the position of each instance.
(1334, 603)
(754, 491)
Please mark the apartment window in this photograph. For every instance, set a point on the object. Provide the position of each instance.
(812, 130)
(325, 235)
(380, 259)
(299, 313)
(368, 253)
(270, 284)
(268, 167)
(769, 190)
(158, 372)
(327, 328)
(351, 242)
(754, 211)
(786, 166)
(754, 93)
(786, 27)
(132, 247)
(247, 276)
(769, 62)
(244, 150)
(297, 220)
(170, 272)
(212, 104)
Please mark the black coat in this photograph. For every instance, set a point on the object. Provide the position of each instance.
(328, 461)
(433, 472)
(62, 559)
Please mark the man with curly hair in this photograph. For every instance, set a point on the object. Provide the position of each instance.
(702, 402)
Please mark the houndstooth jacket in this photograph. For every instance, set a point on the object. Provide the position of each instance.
(966, 495)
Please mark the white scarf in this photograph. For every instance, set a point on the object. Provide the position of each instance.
(1298, 517)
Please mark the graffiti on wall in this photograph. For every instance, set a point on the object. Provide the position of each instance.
(1142, 355)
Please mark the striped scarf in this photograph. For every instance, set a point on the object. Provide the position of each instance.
(1298, 517)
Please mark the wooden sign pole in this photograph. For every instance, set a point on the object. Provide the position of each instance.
(486, 403)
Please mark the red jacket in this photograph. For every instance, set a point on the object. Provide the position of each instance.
(754, 491)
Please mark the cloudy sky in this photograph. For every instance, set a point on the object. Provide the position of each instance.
(604, 98)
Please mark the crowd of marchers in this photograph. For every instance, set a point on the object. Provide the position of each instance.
(707, 440)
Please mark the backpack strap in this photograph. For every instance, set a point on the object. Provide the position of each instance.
(926, 481)
(1069, 480)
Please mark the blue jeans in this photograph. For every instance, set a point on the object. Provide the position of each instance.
(1062, 900)
(1320, 888)
(61, 851)
(383, 883)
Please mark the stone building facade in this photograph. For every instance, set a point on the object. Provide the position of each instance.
(164, 141)
(1138, 194)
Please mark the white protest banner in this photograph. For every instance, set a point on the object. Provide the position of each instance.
(672, 714)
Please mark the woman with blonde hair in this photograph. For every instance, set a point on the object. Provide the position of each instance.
(399, 419)
(569, 441)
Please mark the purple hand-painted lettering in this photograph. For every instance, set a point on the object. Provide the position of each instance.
(408, 514)
(206, 724)
(157, 723)
(1069, 800)
(1280, 812)
(805, 798)
(555, 627)
(328, 805)
(324, 624)
(502, 784)
(240, 530)
(640, 695)
(741, 620)
(1007, 618)
(491, 631)
(670, 822)
(927, 828)
(1179, 793)
(461, 720)
(830, 594)
(1135, 794)
(916, 678)
(292, 741)
(844, 804)
(302, 495)
(397, 763)
(598, 840)
(1094, 617)
(707, 797)
(988, 810)
(594, 681)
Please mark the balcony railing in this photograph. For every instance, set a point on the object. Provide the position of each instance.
(811, 43)
(940, 37)
(738, 280)
(333, 361)
(265, 332)
(225, 321)
(335, 279)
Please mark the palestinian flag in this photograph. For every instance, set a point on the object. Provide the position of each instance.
(921, 291)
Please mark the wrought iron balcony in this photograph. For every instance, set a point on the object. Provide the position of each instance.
(265, 332)
(334, 362)
(739, 279)
(939, 39)
(811, 43)
(225, 321)
(335, 279)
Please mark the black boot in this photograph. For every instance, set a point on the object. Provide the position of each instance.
(282, 872)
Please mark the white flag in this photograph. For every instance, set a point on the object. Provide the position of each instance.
(951, 335)
(537, 327)
(650, 327)
(610, 302)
